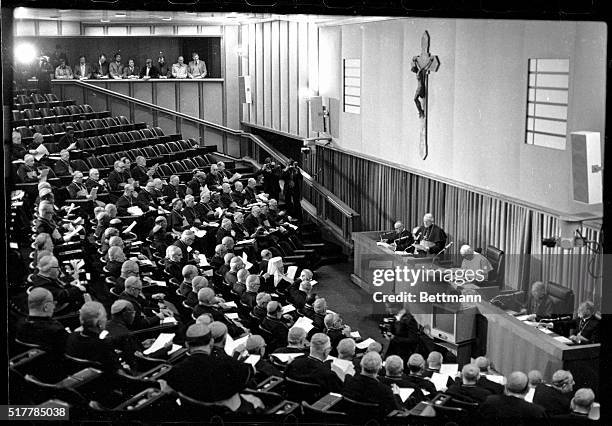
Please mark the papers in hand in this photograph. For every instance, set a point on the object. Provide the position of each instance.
(169, 320)
(274, 265)
(202, 260)
(304, 323)
(235, 177)
(134, 211)
(41, 151)
(252, 359)
(439, 381)
(342, 367)
(291, 271)
(159, 343)
(355, 335)
(159, 283)
(129, 228)
(287, 308)
(365, 343)
(218, 211)
(405, 393)
(72, 233)
(174, 349)
(231, 344)
(103, 334)
(247, 265)
(230, 305)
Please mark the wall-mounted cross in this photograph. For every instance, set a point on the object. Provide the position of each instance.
(422, 65)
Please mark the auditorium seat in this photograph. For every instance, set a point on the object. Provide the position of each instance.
(48, 115)
(33, 116)
(562, 297)
(39, 100)
(52, 100)
(302, 391)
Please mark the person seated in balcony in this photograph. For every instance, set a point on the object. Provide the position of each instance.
(197, 67)
(83, 70)
(131, 70)
(63, 71)
(100, 68)
(149, 70)
(115, 69)
(180, 69)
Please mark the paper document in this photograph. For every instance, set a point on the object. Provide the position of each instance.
(174, 349)
(252, 359)
(247, 265)
(235, 177)
(93, 193)
(274, 264)
(73, 233)
(159, 343)
(159, 283)
(342, 367)
(232, 315)
(563, 340)
(231, 344)
(169, 320)
(314, 282)
(545, 330)
(287, 308)
(497, 379)
(287, 357)
(291, 271)
(405, 393)
(41, 151)
(134, 211)
(202, 260)
(208, 273)
(365, 343)
(449, 369)
(439, 381)
(523, 317)
(229, 305)
(129, 228)
(103, 334)
(244, 242)
(529, 396)
(304, 323)
(355, 335)
(219, 211)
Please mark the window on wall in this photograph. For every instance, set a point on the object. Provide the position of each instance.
(352, 85)
(547, 102)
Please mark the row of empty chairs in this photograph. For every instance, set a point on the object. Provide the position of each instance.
(83, 128)
(56, 114)
(36, 100)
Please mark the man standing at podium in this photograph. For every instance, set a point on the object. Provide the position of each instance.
(430, 238)
(402, 238)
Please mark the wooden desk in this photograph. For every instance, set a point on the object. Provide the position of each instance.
(512, 345)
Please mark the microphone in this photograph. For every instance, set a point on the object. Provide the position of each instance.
(568, 317)
(511, 294)
(441, 251)
(401, 238)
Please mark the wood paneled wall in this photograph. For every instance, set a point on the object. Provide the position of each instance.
(282, 59)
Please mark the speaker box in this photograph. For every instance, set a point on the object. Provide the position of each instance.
(317, 123)
(244, 84)
(586, 160)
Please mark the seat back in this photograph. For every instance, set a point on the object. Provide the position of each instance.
(496, 257)
(302, 391)
(562, 297)
(360, 410)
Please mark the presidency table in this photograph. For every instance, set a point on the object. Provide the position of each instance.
(511, 345)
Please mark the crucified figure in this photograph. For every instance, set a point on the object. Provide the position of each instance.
(422, 65)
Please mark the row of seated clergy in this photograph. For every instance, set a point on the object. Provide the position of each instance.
(368, 386)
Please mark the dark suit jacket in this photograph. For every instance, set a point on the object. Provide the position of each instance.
(62, 293)
(50, 334)
(144, 317)
(127, 72)
(99, 71)
(552, 400)
(74, 188)
(588, 329)
(366, 389)
(77, 71)
(251, 223)
(63, 168)
(115, 178)
(173, 192)
(433, 234)
(87, 346)
(123, 203)
(209, 378)
(144, 200)
(510, 407)
(470, 393)
(139, 173)
(153, 72)
(278, 329)
(490, 385)
(313, 370)
(544, 308)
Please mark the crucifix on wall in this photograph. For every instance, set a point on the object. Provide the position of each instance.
(422, 65)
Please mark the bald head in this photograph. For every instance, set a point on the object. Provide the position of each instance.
(416, 363)
(517, 384)
(535, 378)
(371, 363)
(219, 333)
(434, 360)
(346, 348)
(583, 400)
(40, 302)
(482, 363)
(563, 381)
(470, 374)
(206, 296)
(320, 346)
(92, 316)
(296, 336)
(394, 366)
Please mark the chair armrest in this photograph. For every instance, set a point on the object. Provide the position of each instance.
(314, 245)
(296, 258)
(304, 252)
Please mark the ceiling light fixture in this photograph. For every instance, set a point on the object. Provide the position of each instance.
(120, 14)
(166, 18)
(104, 21)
